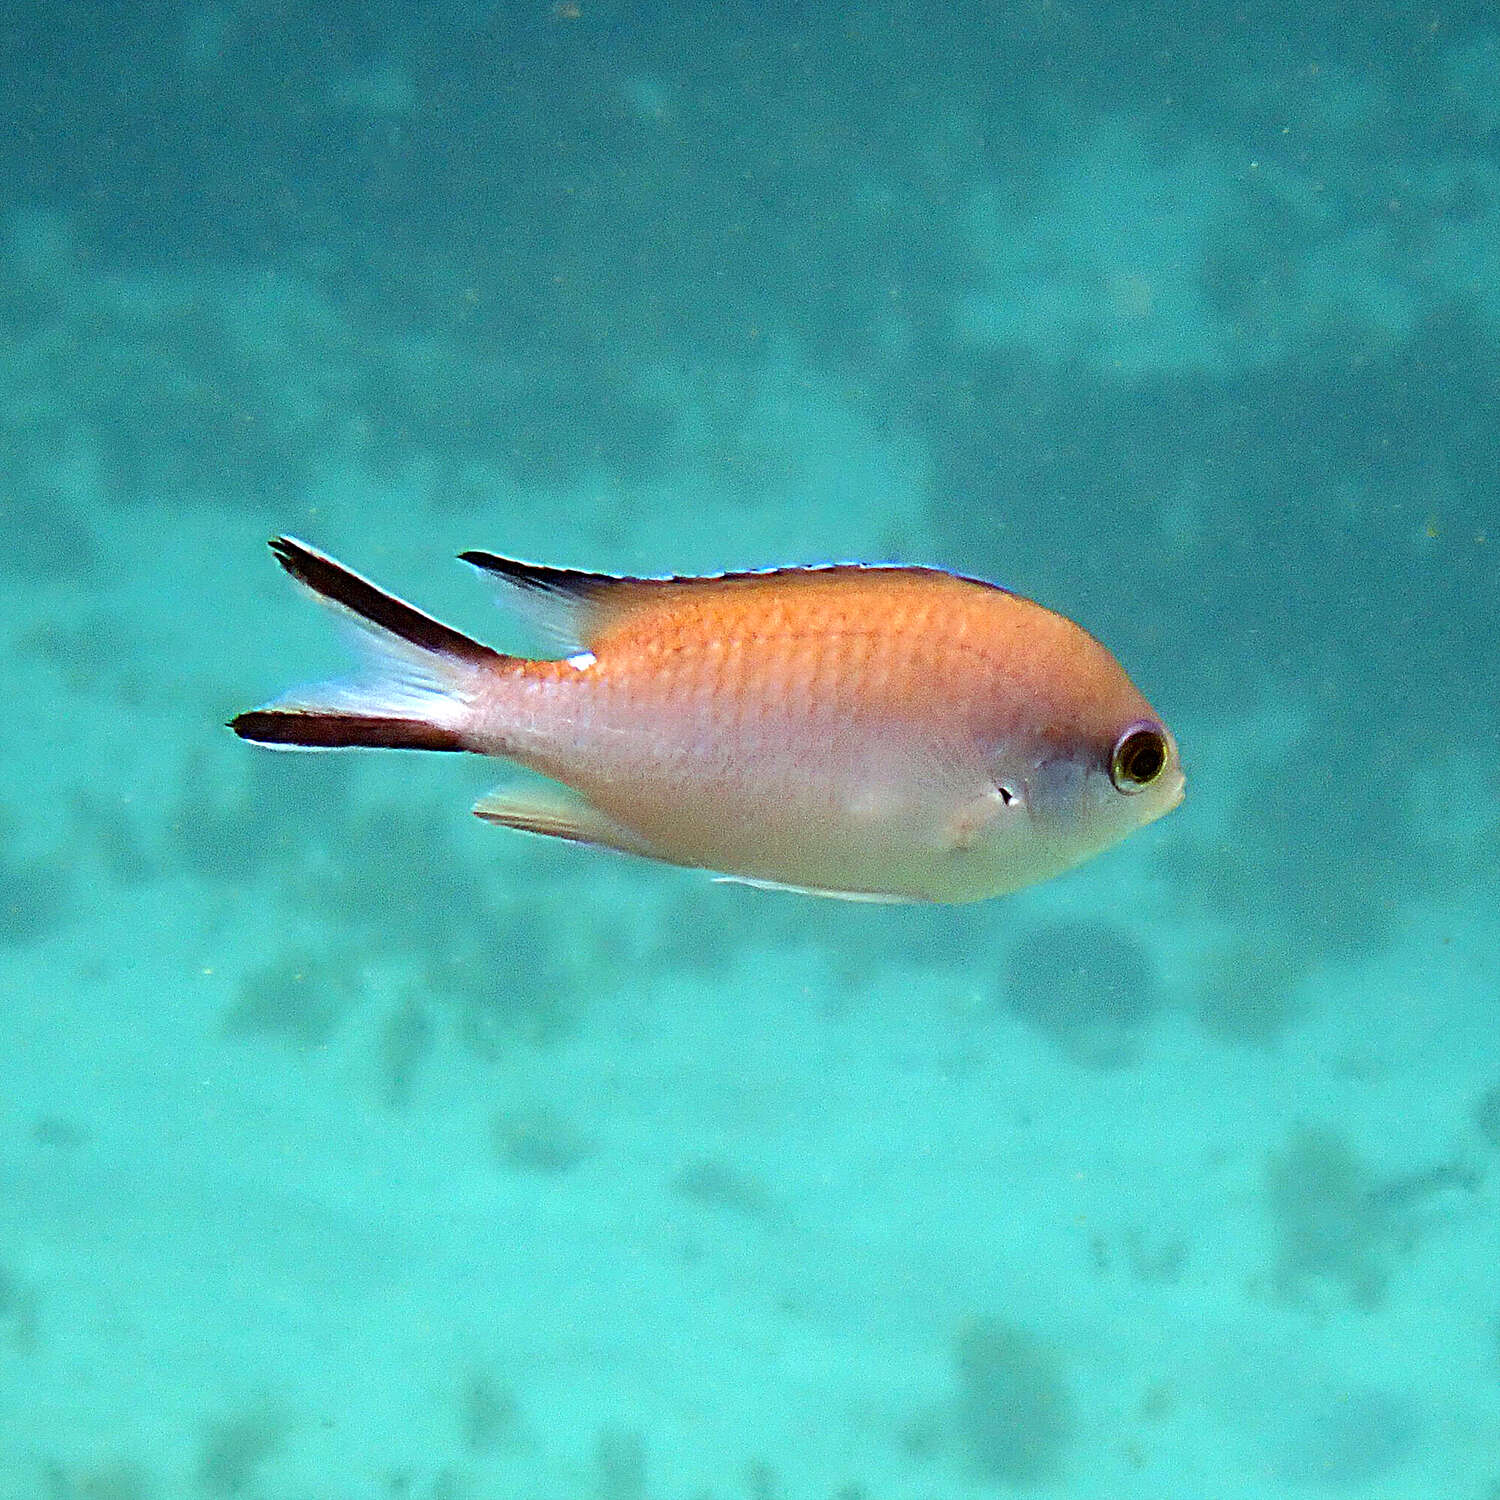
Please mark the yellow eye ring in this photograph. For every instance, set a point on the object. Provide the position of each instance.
(1139, 757)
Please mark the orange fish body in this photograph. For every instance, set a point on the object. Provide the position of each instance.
(873, 732)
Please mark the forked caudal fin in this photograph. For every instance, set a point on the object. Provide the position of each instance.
(414, 694)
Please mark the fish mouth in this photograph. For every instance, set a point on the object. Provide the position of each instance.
(1178, 783)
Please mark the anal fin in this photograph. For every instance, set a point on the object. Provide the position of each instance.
(880, 897)
(557, 815)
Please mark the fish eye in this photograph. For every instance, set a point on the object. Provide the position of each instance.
(1140, 756)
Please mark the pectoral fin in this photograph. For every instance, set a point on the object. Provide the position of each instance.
(559, 816)
(975, 818)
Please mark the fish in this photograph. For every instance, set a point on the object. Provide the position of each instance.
(875, 732)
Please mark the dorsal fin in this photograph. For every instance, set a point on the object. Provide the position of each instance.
(574, 608)
(566, 604)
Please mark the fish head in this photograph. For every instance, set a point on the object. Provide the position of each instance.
(1076, 776)
(1089, 792)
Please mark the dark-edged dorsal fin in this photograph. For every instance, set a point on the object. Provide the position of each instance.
(575, 608)
(565, 604)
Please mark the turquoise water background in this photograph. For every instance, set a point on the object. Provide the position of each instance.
(353, 1150)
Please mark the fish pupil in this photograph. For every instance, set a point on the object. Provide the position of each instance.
(1139, 758)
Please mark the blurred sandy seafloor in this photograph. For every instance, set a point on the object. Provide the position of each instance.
(349, 1148)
